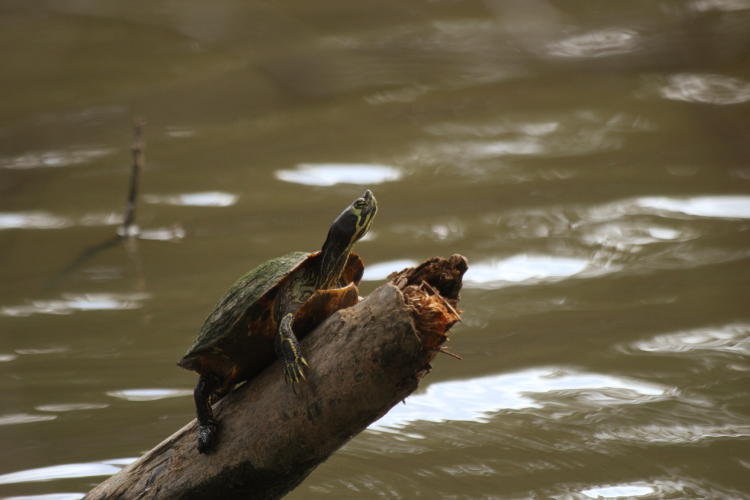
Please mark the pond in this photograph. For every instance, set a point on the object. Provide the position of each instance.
(591, 161)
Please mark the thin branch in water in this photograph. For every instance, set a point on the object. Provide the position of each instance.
(128, 228)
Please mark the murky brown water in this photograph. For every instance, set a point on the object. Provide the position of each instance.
(591, 159)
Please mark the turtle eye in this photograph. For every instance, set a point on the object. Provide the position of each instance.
(360, 203)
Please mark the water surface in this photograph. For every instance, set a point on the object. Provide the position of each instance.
(591, 161)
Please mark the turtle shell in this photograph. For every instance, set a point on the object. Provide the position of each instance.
(237, 338)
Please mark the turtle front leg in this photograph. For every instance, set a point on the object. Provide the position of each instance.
(288, 350)
(208, 427)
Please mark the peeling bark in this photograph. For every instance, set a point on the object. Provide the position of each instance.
(363, 360)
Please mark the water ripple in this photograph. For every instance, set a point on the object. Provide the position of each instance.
(329, 174)
(706, 89)
(42, 351)
(151, 394)
(732, 338)
(405, 94)
(494, 149)
(522, 268)
(716, 206)
(46, 159)
(171, 233)
(202, 199)
(684, 487)
(727, 206)
(381, 270)
(505, 126)
(66, 471)
(474, 399)
(70, 407)
(49, 496)
(45, 220)
(676, 434)
(631, 236)
(180, 132)
(72, 302)
(32, 220)
(447, 229)
(24, 418)
(720, 5)
(37, 219)
(101, 219)
(573, 134)
(619, 491)
(600, 43)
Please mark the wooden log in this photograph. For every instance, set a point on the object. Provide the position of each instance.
(363, 360)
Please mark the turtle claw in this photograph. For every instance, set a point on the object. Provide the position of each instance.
(207, 434)
(294, 373)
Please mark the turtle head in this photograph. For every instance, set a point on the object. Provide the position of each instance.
(346, 230)
(355, 220)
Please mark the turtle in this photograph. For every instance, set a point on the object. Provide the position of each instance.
(269, 309)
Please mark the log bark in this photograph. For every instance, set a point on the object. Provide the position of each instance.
(363, 360)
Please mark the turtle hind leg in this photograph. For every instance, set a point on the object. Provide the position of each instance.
(208, 427)
(289, 351)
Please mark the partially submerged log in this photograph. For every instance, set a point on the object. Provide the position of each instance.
(363, 360)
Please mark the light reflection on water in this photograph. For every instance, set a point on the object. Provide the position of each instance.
(733, 207)
(314, 174)
(180, 132)
(733, 338)
(24, 418)
(77, 302)
(32, 220)
(67, 471)
(475, 399)
(447, 229)
(720, 5)
(631, 236)
(495, 128)
(717, 206)
(664, 487)
(42, 350)
(202, 199)
(50, 496)
(522, 268)
(381, 270)
(45, 220)
(151, 394)
(706, 89)
(619, 491)
(172, 233)
(55, 158)
(596, 44)
(476, 148)
(101, 219)
(64, 407)
(675, 434)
